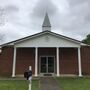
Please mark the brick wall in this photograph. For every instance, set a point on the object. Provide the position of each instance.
(68, 61)
(46, 52)
(85, 56)
(25, 58)
(6, 59)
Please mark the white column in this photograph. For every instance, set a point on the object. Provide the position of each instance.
(36, 61)
(14, 63)
(79, 62)
(57, 56)
(30, 79)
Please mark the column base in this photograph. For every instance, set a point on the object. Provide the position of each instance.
(80, 75)
(13, 76)
(36, 75)
(58, 75)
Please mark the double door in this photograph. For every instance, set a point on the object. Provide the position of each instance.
(47, 64)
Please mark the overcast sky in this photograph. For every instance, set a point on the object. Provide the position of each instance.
(20, 18)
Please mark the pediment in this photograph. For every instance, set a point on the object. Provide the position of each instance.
(47, 40)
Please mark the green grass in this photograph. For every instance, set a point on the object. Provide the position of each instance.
(64, 83)
(17, 85)
(74, 83)
(35, 85)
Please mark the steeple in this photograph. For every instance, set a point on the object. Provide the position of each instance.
(46, 24)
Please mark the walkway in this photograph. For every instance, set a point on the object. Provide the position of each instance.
(48, 83)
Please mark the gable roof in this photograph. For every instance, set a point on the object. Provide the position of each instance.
(37, 34)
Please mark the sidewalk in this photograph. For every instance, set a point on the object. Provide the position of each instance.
(48, 83)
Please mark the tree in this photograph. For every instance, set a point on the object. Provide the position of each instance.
(87, 39)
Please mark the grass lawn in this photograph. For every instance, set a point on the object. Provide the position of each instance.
(74, 83)
(17, 85)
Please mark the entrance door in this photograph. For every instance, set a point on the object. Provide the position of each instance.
(47, 64)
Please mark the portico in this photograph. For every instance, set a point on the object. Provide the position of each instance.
(41, 45)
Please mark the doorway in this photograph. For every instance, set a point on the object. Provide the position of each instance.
(47, 64)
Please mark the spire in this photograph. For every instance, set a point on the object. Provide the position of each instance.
(46, 24)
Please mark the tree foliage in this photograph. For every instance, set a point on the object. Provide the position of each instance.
(87, 39)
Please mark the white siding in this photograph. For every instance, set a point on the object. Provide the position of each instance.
(47, 40)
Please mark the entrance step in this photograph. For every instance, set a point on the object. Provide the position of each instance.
(47, 74)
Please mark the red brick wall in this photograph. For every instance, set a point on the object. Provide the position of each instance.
(68, 61)
(6, 59)
(46, 52)
(85, 56)
(25, 58)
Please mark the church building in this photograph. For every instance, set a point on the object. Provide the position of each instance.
(47, 52)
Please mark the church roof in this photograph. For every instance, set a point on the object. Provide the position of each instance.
(41, 33)
(46, 22)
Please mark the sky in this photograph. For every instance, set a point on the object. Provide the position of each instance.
(21, 18)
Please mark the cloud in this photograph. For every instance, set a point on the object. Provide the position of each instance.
(77, 2)
(67, 17)
(16, 18)
(43, 6)
(39, 11)
(76, 22)
(25, 17)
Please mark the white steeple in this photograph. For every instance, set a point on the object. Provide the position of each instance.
(46, 24)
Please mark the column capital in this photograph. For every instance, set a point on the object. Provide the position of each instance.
(79, 47)
(57, 47)
(36, 47)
